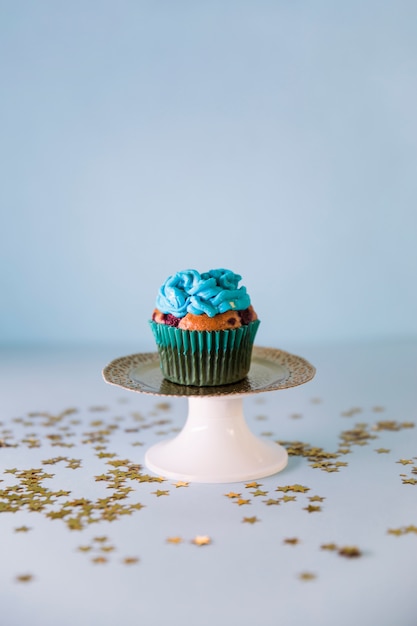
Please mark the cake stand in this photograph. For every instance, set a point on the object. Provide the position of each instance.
(215, 444)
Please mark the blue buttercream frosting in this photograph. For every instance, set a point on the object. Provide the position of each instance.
(212, 293)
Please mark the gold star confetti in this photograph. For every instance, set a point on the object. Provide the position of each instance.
(99, 560)
(272, 501)
(409, 481)
(411, 529)
(294, 488)
(24, 578)
(350, 552)
(312, 509)
(398, 532)
(382, 450)
(253, 485)
(251, 520)
(84, 548)
(107, 549)
(74, 463)
(174, 540)
(395, 531)
(22, 529)
(307, 576)
(405, 461)
(316, 498)
(181, 483)
(232, 494)
(201, 540)
(328, 546)
(259, 492)
(241, 501)
(130, 560)
(291, 541)
(163, 406)
(286, 498)
(161, 492)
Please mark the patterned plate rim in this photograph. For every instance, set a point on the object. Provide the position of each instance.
(299, 371)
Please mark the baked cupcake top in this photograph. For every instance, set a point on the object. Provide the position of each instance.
(191, 300)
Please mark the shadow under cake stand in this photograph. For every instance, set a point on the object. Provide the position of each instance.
(215, 444)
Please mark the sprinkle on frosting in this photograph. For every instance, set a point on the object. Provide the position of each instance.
(211, 293)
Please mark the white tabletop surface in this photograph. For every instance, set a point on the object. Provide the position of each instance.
(338, 546)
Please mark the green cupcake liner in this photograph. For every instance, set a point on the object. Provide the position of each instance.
(204, 358)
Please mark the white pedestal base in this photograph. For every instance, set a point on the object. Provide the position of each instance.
(216, 446)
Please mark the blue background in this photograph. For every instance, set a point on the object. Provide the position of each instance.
(275, 138)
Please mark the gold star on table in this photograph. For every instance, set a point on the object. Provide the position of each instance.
(272, 501)
(99, 560)
(405, 461)
(307, 576)
(24, 578)
(201, 540)
(409, 481)
(174, 540)
(350, 552)
(73, 463)
(130, 560)
(328, 546)
(286, 498)
(411, 529)
(161, 492)
(253, 485)
(107, 549)
(241, 501)
(395, 531)
(181, 483)
(312, 509)
(316, 498)
(22, 529)
(163, 406)
(251, 520)
(294, 488)
(291, 541)
(84, 548)
(382, 450)
(258, 492)
(232, 494)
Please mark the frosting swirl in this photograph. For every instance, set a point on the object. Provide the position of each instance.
(211, 293)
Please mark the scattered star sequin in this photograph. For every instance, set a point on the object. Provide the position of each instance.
(291, 541)
(329, 546)
(201, 540)
(307, 576)
(241, 501)
(350, 552)
(130, 560)
(24, 578)
(312, 508)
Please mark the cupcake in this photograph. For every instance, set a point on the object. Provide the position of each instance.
(204, 326)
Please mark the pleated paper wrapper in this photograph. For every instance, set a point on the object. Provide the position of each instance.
(204, 358)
